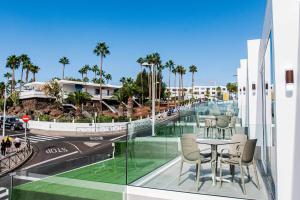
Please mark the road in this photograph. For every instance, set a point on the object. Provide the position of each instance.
(56, 154)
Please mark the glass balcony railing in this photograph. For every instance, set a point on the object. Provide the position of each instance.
(140, 159)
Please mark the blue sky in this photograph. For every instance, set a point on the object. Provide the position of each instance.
(211, 34)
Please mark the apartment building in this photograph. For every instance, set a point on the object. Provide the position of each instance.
(34, 89)
(200, 92)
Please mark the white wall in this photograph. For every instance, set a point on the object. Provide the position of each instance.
(253, 51)
(77, 127)
(244, 95)
(282, 17)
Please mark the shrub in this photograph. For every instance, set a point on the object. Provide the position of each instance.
(104, 118)
(44, 117)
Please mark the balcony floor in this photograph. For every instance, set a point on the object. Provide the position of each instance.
(166, 178)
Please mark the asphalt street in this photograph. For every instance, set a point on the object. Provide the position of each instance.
(57, 154)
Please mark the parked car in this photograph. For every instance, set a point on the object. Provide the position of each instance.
(13, 123)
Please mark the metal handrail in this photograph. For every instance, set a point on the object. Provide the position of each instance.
(14, 160)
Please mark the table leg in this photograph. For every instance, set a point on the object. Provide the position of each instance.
(214, 156)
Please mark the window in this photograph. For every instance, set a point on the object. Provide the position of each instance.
(97, 91)
(107, 92)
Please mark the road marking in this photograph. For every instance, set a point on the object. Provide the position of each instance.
(50, 137)
(39, 138)
(113, 139)
(35, 139)
(5, 193)
(22, 139)
(17, 134)
(74, 146)
(49, 160)
(27, 178)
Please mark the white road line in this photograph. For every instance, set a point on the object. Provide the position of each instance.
(17, 134)
(74, 146)
(49, 160)
(22, 139)
(34, 139)
(4, 193)
(28, 178)
(52, 137)
(43, 139)
(113, 139)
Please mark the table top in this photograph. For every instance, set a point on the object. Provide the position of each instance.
(215, 141)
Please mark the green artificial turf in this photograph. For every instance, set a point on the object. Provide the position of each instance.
(143, 158)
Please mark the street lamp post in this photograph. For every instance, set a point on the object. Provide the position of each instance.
(153, 95)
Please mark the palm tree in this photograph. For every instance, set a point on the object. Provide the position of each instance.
(24, 59)
(122, 80)
(81, 71)
(141, 61)
(86, 69)
(160, 68)
(108, 78)
(78, 98)
(64, 61)
(169, 65)
(34, 70)
(119, 96)
(129, 89)
(193, 70)
(101, 50)
(174, 71)
(13, 62)
(27, 65)
(181, 71)
(7, 75)
(95, 69)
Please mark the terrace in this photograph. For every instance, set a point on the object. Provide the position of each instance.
(143, 161)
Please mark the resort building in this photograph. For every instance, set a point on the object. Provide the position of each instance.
(200, 92)
(269, 97)
(34, 89)
(32, 93)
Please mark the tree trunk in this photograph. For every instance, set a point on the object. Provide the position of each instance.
(100, 89)
(27, 75)
(149, 84)
(130, 107)
(182, 91)
(175, 90)
(193, 85)
(22, 71)
(63, 73)
(179, 88)
(120, 110)
(33, 77)
(12, 80)
(159, 90)
(141, 101)
(169, 94)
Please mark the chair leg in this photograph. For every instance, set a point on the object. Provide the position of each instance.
(181, 165)
(198, 175)
(248, 172)
(243, 179)
(220, 174)
(232, 172)
(256, 176)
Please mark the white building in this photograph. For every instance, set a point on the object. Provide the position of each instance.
(272, 74)
(34, 89)
(199, 91)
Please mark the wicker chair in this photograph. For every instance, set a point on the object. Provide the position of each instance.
(222, 124)
(191, 154)
(246, 158)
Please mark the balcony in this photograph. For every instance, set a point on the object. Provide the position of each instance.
(144, 161)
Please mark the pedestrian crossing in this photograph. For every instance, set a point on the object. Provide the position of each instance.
(40, 138)
(4, 193)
